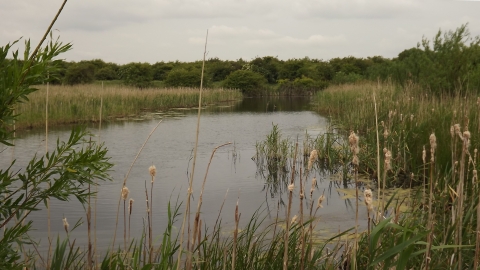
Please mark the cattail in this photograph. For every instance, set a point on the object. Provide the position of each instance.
(452, 131)
(314, 184)
(433, 146)
(130, 205)
(368, 199)
(385, 133)
(411, 117)
(125, 192)
(353, 141)
(294, 219)
(291, 187)
(65, 224)
(153, 171)
(456, 127)
(320, 200)
(312, 159)
(401, 117)
(424, 155)
(388, 158)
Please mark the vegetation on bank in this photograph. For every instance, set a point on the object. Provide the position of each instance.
(83, 103)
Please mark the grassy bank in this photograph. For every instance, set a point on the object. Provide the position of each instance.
(425, 141)
(73, 104)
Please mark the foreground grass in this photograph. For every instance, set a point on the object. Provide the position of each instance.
(79, 104)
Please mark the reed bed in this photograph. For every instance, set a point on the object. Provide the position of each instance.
(80, 104)
(429, 143)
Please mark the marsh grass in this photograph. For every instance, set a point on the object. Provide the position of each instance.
(80, 104)
(439, 224)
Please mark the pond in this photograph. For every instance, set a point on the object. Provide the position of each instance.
(170, 150)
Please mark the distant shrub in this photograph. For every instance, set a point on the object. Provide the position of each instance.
(106, 74)
(342, 77)
(185, 78)
(249, 82)
(137, 74)
(80, 73)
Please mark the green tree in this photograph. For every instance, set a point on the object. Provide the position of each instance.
(62, 173)
(137, 74)
(80, 73)
(106, 74)
(247, 81)
(185, 78)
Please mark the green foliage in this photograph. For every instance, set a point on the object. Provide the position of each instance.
(342, 77)
(65, 172)
(185, 78)
(80, 73)
(247, 81)
(161, 70)
(137, 74)
(106, 74)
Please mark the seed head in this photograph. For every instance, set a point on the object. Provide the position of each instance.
(294, 219)
(291, 187)
(320, 200)
(424, 154)
(368, 199)
(312, 159)
(125, 192)
(388, 158)
(130, 205)
(65, 224)
(152, 170)
(433, 146)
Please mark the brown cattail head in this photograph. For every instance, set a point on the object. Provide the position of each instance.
(291, 187)
(456, 128)
(320, 200)
(385, 133)
(314, 184)
(153, 171)
(125, 192)
(312, 159)
(130, 206)
(65, 224)
(353, 141)
(368, 199)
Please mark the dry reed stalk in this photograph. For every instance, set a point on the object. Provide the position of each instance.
(153, 171)
(130, 206)
(291, 187)
(149, 220)
(125, 181)
(466, 143)
(235, 236)
(220, 211)
(302, 240)
(89, 229)
(96, 186)
(124, 192)
(353, 141)
(433, 147)
(196, 227)
(378, 156)
(190, 185)
(369, 203)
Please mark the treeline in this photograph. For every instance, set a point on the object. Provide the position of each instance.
(451, 62)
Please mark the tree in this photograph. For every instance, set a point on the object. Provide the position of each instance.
(137, 74)
(247, 81)
(185, 78)
(80, 73)
(63, 173)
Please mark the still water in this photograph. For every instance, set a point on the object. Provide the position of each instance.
(170, 150)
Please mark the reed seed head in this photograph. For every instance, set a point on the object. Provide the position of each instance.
(312, 159)
(65, 224)
(125, 192)
(368, 199)
(452, 131)
(388, 159)
(291, 187)
(433, 146)
(294, 219)
(320, 200)
(153, 171)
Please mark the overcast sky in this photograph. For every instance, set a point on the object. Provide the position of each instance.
(124, 31)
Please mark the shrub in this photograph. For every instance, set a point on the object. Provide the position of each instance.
(249, 82)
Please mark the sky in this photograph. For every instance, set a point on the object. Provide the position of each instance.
(124, 31)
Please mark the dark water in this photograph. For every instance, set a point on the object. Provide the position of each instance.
(170, 150)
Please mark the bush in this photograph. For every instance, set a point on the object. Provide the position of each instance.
(80, 73)
(249, 82)
(185, 78)
(137, 74)
(106, 74)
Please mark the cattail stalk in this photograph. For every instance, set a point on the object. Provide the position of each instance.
(287, 219)
(378, 156)
(302, 240)
(235, 236)
(124, 195)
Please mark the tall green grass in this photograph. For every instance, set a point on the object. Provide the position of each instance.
(80, 104)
